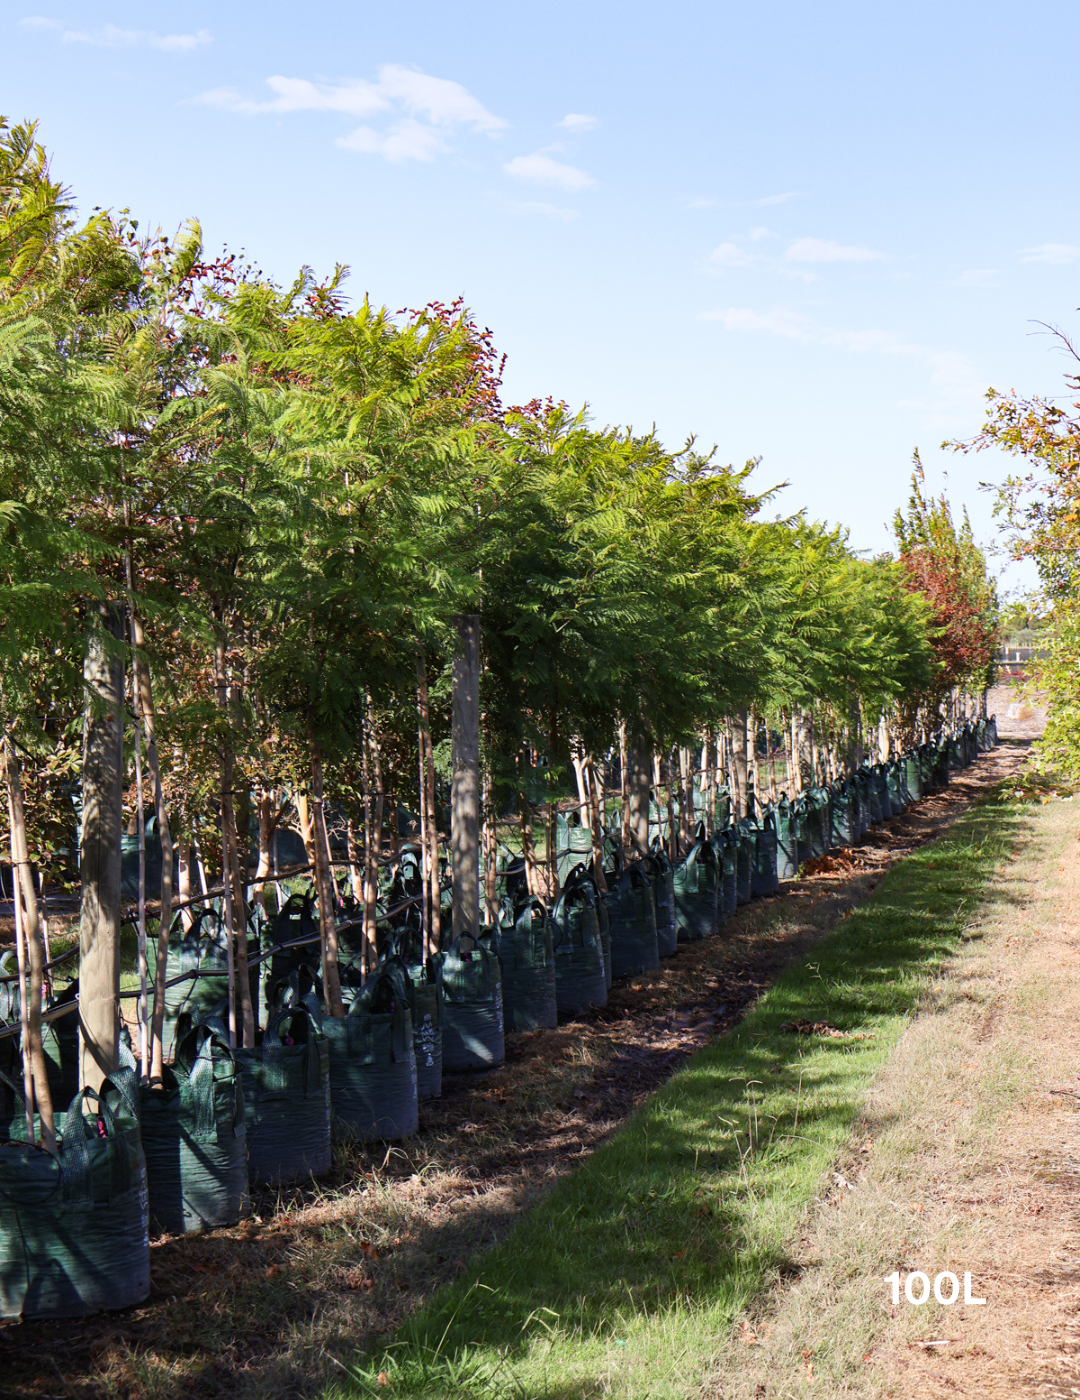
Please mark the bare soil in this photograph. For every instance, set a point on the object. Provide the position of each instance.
(270, 1307)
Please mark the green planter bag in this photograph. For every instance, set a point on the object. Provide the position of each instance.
(527, 958)
(727, 869)
(579, 961)
(765, 880)
(74, 1235)
(816, 806)
(744, 856)
(912, 777)
(471, 984)
(880, 778)
(286, 1080)
(420, 987)
(787, 840)
(873, 797)
(695, 888)
(843, 814)
(632, 924)
(661, 872)
(195, 1138)
(373, 1091)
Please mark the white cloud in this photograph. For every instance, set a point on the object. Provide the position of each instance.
(822, 250)
(405, 140)
(443, 102)
(357, 98)
(578, 121)
(446, 105)
(542, 170)
(774, 199)
(978, 277)
(110, 37)
(757, 234)
(1055, 253)
(702, 203)
(959, 387)
(39, 22)
(731, 255)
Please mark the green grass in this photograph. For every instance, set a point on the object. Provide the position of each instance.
(629, 1276)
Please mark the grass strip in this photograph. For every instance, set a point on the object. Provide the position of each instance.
(627, 1278)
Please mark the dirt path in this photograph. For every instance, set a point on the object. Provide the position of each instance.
(968, 1161)
(266, 1308)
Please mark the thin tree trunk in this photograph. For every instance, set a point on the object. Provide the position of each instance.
(324, 881)
(31, 941)
(373, 841)
(624, 790)
(527, 849)
(673, 825)
(356, 877)
(752, 761)
(183, 884)
(491, 891)
(596, 796)
(230, 863)
(140, 915)
(99, 854)
(710, 787)
(262, 870)
(307, 826)
(773, 794)
(433, 896)
(21, 962)
(577, 756)
(44, 904)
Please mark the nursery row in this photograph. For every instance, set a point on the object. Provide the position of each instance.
(180, 1154)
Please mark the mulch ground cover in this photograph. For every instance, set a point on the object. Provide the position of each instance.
(273, 1306)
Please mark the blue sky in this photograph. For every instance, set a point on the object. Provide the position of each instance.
(810, 233)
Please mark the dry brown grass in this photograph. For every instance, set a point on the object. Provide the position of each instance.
(967, 1160)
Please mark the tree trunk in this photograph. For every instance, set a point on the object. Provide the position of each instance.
(149, 724)
(740, 764)
(372, 841)
(352, 850)
(673, 824)
(323, 881)
(230, 862)
(532, 882)
(624, 792)
(753, 780)
(596, 797)
(429, 816)
(491, 856)
(577, 756)
(307, 827)
(99, 854)
(29, 928)
(266, 830)
(465, 787)
(638, 783)
(710, 786)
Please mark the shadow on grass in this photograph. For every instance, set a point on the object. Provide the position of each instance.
(647, 1253)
